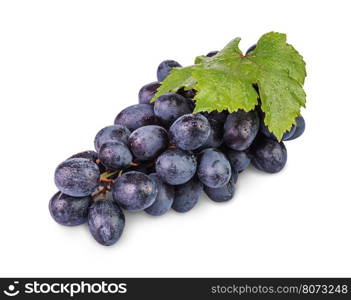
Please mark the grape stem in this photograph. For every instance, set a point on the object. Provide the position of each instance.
(106, 180)
(105, 176)
(102, 191)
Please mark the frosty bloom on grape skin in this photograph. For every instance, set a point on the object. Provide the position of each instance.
(136, 116)
(69, 211)
(164, 198)
(171, 106)
(190, 132)
(187, 195)
(240, 129)
(134, 191)
(115, 155)
(147, 92)
(214, 169)
(77, 177)
(268, 155)
(148, 142)
(116, 133)
(106, 222)
(194, 130)
(223, 193)
(176, 166)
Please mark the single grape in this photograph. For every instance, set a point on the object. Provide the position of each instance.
(148, 142)
(190, 94)
(115, 155)
(300, 128)
(215, 139)
(286, 136)
(165, 67)
(239, 160)
(240, 129)
(113, 133)
(164, 198)
(221, 194)
(212, 53)
(176, 166)
(190, 132)
(147, 92)
(171, 106)
(134, 191)
(106, 221)
(187, 195)
(136, 116)
(214, 169)
(69, 211)
(77, 177)
(91, 155)
(220, 117)
(268, 155)
(252, 48)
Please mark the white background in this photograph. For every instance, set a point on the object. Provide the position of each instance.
(68, 67)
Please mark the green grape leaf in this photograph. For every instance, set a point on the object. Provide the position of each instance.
(177, 78)
(226, 81)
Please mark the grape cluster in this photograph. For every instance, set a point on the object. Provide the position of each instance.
(159, 156)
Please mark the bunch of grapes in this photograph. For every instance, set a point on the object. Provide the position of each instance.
(159, 156)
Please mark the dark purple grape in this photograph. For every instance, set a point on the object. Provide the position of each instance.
(187, 195)
(214, 169)
(115, 155)
(239, 160)
(77, 177)
(252, 48)
(147, 92)
(148, 142)
(190, 132)
(220, 117)
(69, 211)
(240, 129)
(176, 166)
(212, 53)
(190, 94)
(221, 194)
(171, 106)
(300, 128)
(268, 155)
(215, 138)
(113, 133)
(106, 222)
(134, 191)
(165, 67)
(136, 116)
(164, 198)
